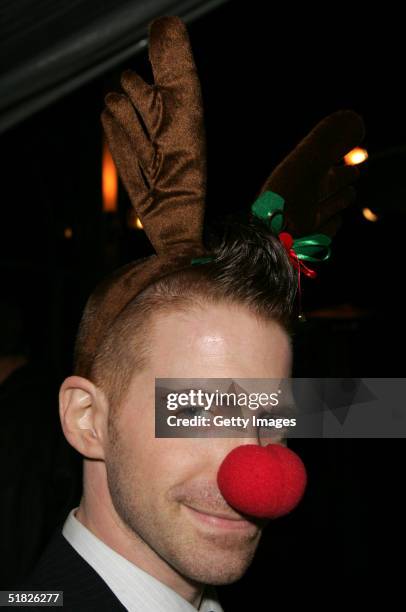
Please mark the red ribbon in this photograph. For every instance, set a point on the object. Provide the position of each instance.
(287, 241)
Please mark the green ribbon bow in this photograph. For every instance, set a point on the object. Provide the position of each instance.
(315, 247)
(268, 207)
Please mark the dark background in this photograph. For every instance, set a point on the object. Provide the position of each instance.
(268, 76)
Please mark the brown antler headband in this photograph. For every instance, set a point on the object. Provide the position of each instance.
(156, 136)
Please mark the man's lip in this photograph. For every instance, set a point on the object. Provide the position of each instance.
(220, 519)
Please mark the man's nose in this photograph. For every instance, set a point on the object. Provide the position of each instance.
(265, 482)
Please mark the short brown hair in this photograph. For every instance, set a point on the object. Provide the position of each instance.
(250, 267)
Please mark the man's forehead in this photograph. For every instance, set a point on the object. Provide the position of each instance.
(213, 323)
(218, 343)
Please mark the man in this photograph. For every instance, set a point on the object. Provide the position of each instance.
(152, 531)
(153, 504)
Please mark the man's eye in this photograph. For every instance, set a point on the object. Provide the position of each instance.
(191, 411)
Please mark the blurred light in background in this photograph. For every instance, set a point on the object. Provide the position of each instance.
(356, 156)
(68, 233)
(109, 181)
(133, 221)
(369, 214)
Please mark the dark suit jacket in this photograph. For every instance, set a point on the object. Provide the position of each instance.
(61, 568)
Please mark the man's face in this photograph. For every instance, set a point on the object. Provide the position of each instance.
(164, 489)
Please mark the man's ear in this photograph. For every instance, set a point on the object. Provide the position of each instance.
(83, 410)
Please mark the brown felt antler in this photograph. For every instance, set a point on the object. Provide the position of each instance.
(156, 137)
(314, 186)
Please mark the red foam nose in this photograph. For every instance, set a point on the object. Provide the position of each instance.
(262, 481)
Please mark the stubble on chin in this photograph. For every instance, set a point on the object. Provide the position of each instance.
(202, 555)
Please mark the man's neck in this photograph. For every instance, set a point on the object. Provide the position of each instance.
(110, 530)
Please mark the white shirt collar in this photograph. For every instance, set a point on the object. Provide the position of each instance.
(134, 588)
